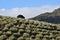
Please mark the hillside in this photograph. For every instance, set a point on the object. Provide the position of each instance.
(51, 17)
(24, 29)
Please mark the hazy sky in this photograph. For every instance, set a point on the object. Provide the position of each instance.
(28, 8)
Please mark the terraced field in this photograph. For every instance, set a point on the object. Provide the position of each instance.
(24, 29)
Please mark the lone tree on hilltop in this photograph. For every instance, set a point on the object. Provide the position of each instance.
(20, 16)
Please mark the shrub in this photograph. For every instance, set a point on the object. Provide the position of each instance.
(16, 35)
(11, 38)
(13, 29)
(20, 38)
(20, 16)
(2, 37)
(1, 32)
(8, 33)
(5, 29)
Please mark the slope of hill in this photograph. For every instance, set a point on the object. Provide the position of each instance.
(24, 29)
(53, 17)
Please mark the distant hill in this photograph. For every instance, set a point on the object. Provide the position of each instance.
(53, 17)
(24, 29)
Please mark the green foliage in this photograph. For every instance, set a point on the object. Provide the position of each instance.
(20, 16)
(1, 32)
(2, 37)
(22, 29)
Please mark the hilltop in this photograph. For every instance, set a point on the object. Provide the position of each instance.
(51, 17)
(25, 29)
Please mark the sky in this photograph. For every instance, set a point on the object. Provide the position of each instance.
(28, 8)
